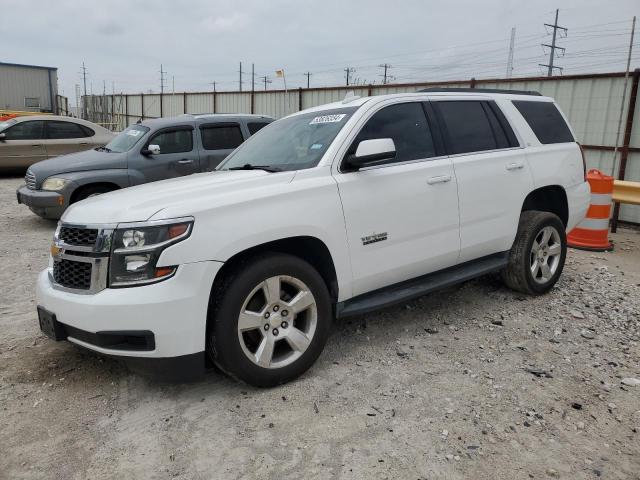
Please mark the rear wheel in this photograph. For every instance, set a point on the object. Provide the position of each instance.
(270, 320)
(538, 254)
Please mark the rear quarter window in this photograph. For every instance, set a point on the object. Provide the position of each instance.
(545, 120)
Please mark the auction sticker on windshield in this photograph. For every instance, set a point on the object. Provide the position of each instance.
(328, 119)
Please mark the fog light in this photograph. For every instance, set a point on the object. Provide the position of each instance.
(136, 263)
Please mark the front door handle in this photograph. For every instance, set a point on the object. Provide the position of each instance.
(439, 179)
(185, 161)
(515, 166)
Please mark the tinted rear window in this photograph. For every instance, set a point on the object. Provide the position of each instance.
(545, 120)
(255, 126)
(221, 137)
(467, 126)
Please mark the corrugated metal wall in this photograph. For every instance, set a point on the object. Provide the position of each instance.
(20, 81)
(592, 103)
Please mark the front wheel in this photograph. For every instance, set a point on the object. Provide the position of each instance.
(538, 254)
(269, 320)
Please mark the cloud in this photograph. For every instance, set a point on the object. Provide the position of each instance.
(225, 24)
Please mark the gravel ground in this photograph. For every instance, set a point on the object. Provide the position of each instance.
(474, 382)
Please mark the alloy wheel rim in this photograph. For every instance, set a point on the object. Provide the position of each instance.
(277, 321)
(544, 258)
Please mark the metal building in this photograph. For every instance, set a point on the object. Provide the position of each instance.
(28, 88)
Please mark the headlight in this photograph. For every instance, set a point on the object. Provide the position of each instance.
(137, 248)
(54, 184)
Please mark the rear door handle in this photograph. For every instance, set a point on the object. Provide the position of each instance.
(185, 161)
(515, 166)
(439, 179)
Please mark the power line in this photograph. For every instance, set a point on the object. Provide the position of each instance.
(553, 47)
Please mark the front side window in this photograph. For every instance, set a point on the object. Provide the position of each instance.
(467, 126)
(125, 140)
(291, 143)
(6, 124)
(221, 137)
(61, 130)
(545, 120)
(30, 130)
(406, 124)
(174, 141)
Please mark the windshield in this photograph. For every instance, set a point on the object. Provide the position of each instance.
(6, 124)
(126, 139)
(293, 143)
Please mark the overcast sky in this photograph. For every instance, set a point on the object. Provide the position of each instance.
(123, 42)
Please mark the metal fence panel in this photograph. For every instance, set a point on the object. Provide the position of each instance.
(199, 103)
(172, 105)
(229, 102)
(276, 104)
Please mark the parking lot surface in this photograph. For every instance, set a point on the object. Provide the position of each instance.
(473, 382)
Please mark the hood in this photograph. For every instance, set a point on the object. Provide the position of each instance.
(180, 196)
(77, 162)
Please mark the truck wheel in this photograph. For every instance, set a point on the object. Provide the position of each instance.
(269, 320)
(538, 253)
(91, 191)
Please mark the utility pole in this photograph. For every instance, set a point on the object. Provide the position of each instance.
(308, 75)
(84, 98)
(510, 59)
(622, 105)
(265, 80)
(253, 77)
(214, 86)
(240, 84)
(162, 72)
(553, 47)
(348, 71)
(386, 66)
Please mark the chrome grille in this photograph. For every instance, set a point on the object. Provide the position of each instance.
(70, 274)
(78, 237)
(30, 180)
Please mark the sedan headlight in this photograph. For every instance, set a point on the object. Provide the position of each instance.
(54, 184)
(137, 248)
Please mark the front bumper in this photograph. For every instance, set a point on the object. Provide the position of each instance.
(45, 204)
(173, 311)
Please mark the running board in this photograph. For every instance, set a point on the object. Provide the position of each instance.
(414, 288)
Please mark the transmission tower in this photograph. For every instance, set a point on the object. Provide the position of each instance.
(553, 47)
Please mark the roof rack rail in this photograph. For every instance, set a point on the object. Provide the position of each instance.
(481, 90)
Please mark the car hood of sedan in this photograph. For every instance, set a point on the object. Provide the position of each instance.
(79, 162)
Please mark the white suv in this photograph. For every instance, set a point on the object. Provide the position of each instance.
(333, 211)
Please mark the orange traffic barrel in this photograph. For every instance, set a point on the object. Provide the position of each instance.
(592, 233)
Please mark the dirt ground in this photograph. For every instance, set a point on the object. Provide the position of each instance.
(473, 382)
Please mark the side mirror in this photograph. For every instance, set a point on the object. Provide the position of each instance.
(3, 137)
(151, 150)
(372, 152)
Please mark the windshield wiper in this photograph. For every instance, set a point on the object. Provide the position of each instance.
(248, 166)
(102, 149)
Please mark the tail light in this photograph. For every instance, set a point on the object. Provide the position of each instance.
(584, 162)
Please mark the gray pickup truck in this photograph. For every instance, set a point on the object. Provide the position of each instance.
(145, 152)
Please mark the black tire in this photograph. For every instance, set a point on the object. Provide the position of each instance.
(518, 274)
(90, 191)
(227, 299)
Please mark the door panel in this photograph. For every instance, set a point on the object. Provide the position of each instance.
(64, 137)
(400, 222)
(493, 176)
(24, 145)
(492, 187)
(178, 155)
(401, 217)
